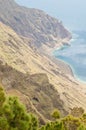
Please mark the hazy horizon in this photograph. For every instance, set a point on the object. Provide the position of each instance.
(71, 13)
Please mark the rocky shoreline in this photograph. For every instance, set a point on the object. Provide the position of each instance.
(48, 51)
(65, 67)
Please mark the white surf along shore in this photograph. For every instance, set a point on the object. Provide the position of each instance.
(67, 68)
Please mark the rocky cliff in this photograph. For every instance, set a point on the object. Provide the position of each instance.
(40, 81)
(35, 84)
(32, 23)
(34, 90)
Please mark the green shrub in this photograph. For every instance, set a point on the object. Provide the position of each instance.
(56, 114)
(82, 127)
(14, 116)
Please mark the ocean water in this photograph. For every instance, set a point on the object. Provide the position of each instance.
(75, 55)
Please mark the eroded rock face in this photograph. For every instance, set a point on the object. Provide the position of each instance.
(32, 23)
(40, 93)
(35, 90)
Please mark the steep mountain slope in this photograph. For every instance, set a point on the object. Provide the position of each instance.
(64, 93)
(34, 90)
(32, 23)
(31, 73)
(38, 94)
(19, 55)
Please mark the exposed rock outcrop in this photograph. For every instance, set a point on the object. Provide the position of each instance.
(32, 23)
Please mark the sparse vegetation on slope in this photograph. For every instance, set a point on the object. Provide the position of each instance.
(14, 116)
(49, 89)
(37, 79)
(41, 96)
(32, 23)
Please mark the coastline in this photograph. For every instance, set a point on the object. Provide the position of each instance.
(73, 73)
(66, 68)
(48, 52)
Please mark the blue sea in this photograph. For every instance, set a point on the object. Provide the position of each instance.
(75, 54)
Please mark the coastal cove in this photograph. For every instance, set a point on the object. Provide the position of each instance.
(74, 55)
